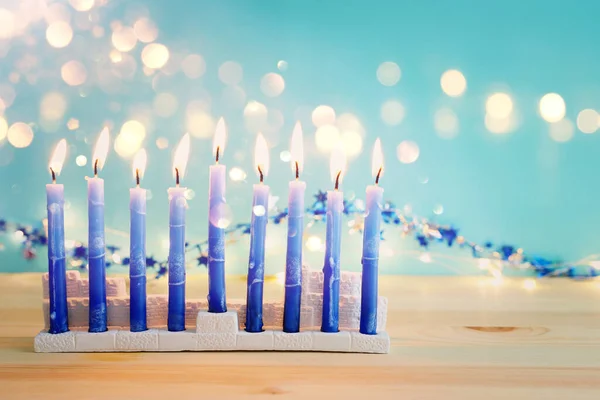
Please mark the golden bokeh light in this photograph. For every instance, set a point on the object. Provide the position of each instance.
(326, 138)
(7, 23)
(392, 112)
(199, 122)
(562, 131)
(3, 128)
(115, 56)
(124, 39)
(73, 124)
(145, 30)
(587, 121)
(155, 55)
(500, 125)
(323, 115)
(165, 104)
(53, 106)
(453, 83)
(352, 142)
(237, 174)
(499, 105)
(388, 73)
(446, 123)
(82, 5)
(552, 107)
(73, 73)
(231, 73)
(20, 135)
(193, 66)
(407, 152)
(162, 143)
(130, 138)
(59, 34)
(272, 84)
(255, 116)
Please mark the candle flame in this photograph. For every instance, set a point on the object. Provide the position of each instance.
(139, 163)
(58, 157)
(337, 162)
(181, 156)
(261, 155)
(377, 160)
(297, 148)
(220, 138)
(101, 149)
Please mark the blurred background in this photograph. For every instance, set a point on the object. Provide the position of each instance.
(486, 112)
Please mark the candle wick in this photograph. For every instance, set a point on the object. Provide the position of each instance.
(261, 174)
(217, 155)
(378, 175)
(337, 180)
(297, 171)
(96, 167)
(137, 177)
(53, 175)
(177, 177)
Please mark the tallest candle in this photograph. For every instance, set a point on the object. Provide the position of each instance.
(333, 242)
(217, 302)
(293, 259)
(57, 283)
(177, 207)
(370, 255)
(97, 251)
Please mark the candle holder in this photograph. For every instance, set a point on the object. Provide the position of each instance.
(213, 331)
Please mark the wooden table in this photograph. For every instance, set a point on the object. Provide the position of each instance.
(452, 338)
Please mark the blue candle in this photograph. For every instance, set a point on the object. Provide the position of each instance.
(333, 240)
(370, 255)
(293, 260)
(57, 282)
(96, 244)
(258, 230)
(137, 248)
(217, 302)
(177, 207)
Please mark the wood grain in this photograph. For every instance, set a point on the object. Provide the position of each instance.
(452, 338)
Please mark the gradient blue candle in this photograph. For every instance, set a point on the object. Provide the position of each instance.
(293, 259)
(333, 241)
(57, 282)
(137, 248)
(370, 254)
(98, 321)
(177, 208)
(258, 231)
(217, 209)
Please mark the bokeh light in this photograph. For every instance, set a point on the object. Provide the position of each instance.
(199, 122)
(350, 122)
(562, 130)
(446, 123)
(237, 174)
(500, 125)
(499, 105)
(323, 115)
(255, 116)
(285, 156)
(3, 128)
(124, 39)
(587, 121)
(438, 209)
(392, 112)
(53, 106)
(552, 107)
(314, 243)
(326, 137)
(20, 135)
(130, 138)
(145, 30)
(73, 73)
(81, 160)
(7, 95)
(165, 104)
(231, 73)
(73, 124)
(162, 143)
(272, 84)
(59, 34)
(352, 142)
(453, 83)
(282, 65)
(57, 12)
(7, 23)
(388, 73)
(82, 5)
(407, 152)
(193, 66)
(155, 55)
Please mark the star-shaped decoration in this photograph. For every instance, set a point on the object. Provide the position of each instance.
(203, 259)
(150, 262)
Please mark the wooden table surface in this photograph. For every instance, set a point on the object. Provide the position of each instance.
(452, 338)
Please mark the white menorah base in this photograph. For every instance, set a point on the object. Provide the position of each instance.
(214, 332)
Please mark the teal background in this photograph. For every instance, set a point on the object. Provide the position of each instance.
(520, 188)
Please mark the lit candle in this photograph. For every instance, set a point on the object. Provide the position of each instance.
(57, 280)
(293, 260)
(333, 240)
(258, 230)
(137, 247)
(177, 207)
(370, 255)
(97, 251)
(216, 233)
